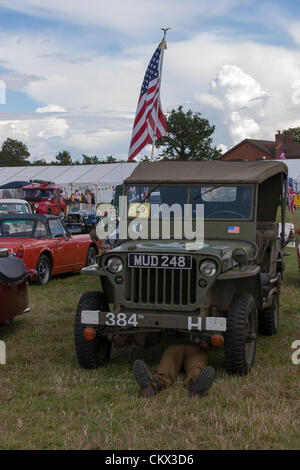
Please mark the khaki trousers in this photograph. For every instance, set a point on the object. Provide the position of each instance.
(188, 357)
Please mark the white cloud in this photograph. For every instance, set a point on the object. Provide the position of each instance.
(251, 95)
(222, 147)
(131, 16)
(243, 101)
(51, 108)
(242, 128)
(2, 92)
(294, 30)
(210, 100)
(14, 81)
(238, 88)
(35, 133)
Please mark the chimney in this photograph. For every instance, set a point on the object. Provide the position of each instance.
(279, 138)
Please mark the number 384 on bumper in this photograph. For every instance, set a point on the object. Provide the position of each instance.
(134, 320)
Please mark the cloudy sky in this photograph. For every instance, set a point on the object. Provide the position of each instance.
(71, 71)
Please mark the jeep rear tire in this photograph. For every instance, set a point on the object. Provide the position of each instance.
(240, 341)
(95, 353)
(268, 319)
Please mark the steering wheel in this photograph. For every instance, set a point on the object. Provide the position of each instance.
(241, 216)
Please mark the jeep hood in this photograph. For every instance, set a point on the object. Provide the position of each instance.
(216, 247)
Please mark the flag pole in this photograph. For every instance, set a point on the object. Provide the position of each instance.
(158, 97)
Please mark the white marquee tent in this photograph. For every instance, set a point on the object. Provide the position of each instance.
(101, 179)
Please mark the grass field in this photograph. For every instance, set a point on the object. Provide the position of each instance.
(48, 402)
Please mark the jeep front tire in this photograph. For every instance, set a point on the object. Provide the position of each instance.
(95, 353)
(240, 341)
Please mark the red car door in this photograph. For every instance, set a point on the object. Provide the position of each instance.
(64, 252)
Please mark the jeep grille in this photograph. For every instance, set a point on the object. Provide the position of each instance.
(157, 286)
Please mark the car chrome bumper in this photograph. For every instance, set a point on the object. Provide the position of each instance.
(92, 270)
(178, 322)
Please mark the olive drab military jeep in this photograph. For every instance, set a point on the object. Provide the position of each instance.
(220, 290)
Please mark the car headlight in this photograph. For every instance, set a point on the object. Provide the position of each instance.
(114, 265)
(208, 268)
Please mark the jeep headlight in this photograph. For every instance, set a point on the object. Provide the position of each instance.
(114, 265)
(208, 268)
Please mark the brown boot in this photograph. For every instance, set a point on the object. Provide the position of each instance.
(201, 384)
(149, 385)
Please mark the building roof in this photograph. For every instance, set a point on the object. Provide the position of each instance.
(215, 171)
(291, 149)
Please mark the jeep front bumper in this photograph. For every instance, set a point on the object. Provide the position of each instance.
(156, 321)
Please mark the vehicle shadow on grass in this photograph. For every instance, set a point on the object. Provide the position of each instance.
(126, 356)
(65, 275)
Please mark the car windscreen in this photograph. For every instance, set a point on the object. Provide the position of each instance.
(18, 208)
(223, 202)
(220, 202)
(157, 195)
(35, 194)
(15, 228)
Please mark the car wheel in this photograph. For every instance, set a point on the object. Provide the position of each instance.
(268, 318)
(240, 341)
(43, 268)
(95, 353)
(91, 256)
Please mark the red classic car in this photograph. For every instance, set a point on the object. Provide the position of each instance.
(13, 287)
(44, 244)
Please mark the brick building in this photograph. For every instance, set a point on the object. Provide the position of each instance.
(254, 149)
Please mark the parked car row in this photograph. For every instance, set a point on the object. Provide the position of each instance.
(33, 247)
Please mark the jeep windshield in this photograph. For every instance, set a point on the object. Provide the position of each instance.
(220, 202)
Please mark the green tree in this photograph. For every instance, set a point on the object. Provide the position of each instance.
(86, 160)
(188, 137)
(41, 162)
(64, 158)
(293, 133)
(110, 159)
(14, 153)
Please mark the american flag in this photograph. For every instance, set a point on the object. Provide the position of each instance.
(145, 118)
(282, 156)
(291, 196)
(233, 229)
